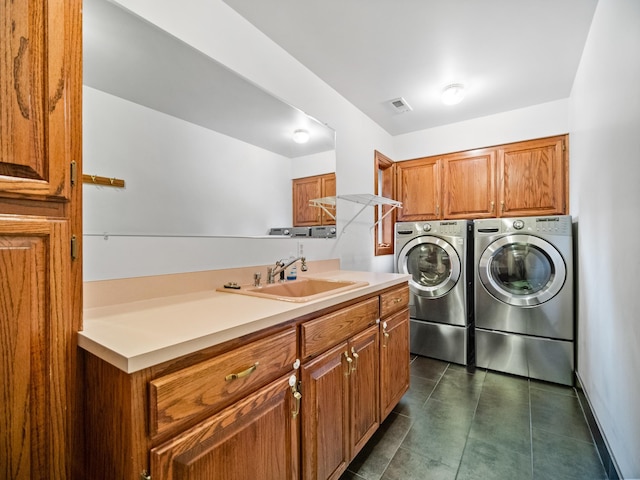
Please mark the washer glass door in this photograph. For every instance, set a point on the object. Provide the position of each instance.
(433, 264)
(522, 270)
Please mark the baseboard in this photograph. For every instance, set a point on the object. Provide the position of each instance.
(608, 460)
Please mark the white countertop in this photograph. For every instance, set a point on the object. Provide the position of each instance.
(136, 335)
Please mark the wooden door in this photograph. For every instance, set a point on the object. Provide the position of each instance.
(40, 284)
(328, 190)
(469, 184)
(418, 188)
(364, 387)
(533, 178)
(255, 439)
(394, 361)
(325, 415)
(305, 189)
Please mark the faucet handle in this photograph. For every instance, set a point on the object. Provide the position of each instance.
(256, 279)
(303, 264)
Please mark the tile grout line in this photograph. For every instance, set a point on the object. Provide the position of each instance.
(530, 423)
(470, 426)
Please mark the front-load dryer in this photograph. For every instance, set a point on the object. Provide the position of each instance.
(436, 255)
(523, 294)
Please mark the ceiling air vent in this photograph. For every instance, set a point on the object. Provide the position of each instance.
(400, 105)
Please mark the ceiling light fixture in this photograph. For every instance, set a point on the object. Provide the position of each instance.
(301, 136)
(453, 94)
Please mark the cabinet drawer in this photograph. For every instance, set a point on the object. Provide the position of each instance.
(394, 301)
(324, 332)
(219, 381)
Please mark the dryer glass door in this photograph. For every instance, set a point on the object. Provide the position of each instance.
(522, 270)
(433, 265)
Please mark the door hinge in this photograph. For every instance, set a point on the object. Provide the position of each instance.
(74, 172)
(74, 247)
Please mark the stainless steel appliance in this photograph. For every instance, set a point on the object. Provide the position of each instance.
(323, 232)
(291, 231)
(436, 255)
(523, 279)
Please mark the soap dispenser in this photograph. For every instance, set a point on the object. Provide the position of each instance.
(293, 273)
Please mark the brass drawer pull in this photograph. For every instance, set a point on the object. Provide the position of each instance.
(244, 373)
(397, 300)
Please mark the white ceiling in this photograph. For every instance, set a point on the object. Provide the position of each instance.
(509, 53)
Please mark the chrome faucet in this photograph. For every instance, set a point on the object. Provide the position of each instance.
(281, 266)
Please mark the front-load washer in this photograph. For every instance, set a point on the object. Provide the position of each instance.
(436, 255)
(523, 295)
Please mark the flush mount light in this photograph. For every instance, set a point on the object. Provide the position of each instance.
(301, 136)
(453, 94)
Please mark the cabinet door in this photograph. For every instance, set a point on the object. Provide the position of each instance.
(40, 42)
(469, 184)
(532, 178)
(36, 348)
(325, 420)
(328, 190)
(364, 387)
(255, 439)
(305, 189)
(418, 187)
(394, 361)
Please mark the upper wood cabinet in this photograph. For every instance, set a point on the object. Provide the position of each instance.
(519, 179)
(418, 188)
(40, 45)
(469, 184)
(533, 178)
(40, 212)
(308, 188)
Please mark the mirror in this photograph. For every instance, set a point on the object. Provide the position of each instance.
(202, 150)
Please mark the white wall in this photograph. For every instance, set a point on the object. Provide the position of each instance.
(605, 190)
(539, 121)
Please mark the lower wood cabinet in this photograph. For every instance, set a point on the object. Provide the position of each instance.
(247, 410)
(254, 439)
(340, 404)
(394, 367)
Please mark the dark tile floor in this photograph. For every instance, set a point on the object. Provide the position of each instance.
(484, 425)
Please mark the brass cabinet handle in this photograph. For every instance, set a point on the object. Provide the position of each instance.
(293, 383)
(502, 206)
(492, 207)
(397, 300)
(355, 359)
(349, 361)
(385, 335)
(244, 373)
(298, 396)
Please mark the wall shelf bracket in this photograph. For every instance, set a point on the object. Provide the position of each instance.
(364, 199)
